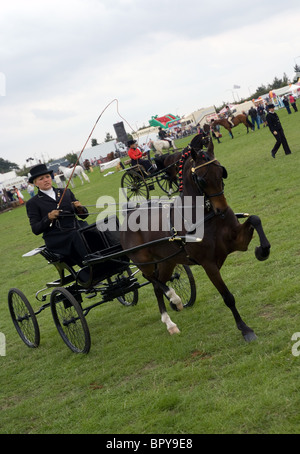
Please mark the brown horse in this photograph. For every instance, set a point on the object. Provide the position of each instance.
(240, 118)
(201, 174)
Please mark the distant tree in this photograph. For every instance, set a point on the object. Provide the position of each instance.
(276, 83)
(94, 142)
(108, 137)
(297, 68)
(6, 166)
(71, 157)
(297, 73)
(285, 80)
(261, 90)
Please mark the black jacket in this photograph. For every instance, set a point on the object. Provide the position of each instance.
(273, 122)
(61, 236)
(162, 134)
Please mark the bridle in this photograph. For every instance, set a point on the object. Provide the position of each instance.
(200, 180)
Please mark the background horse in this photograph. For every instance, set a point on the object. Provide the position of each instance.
(67, 171)
(161, 145)
(240, 118)
(201, 174)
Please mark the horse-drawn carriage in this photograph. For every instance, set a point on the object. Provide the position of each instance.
(163, 256)
(107, 272)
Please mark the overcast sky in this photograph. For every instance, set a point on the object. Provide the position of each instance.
(63, 62)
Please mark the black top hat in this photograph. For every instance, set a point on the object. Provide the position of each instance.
(130, 142)
(37, 171)
(270, 106)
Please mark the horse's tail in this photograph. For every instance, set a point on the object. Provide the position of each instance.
(249, 123)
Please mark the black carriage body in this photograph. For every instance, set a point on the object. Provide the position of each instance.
(101, 242)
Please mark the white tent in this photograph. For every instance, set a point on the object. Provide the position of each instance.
(295, 88)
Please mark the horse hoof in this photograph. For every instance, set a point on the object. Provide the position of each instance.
(174, 330)
(262, 253)
(175, 300)
(249, 337)
(174, 307)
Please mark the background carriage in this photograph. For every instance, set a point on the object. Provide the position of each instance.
(138, 183)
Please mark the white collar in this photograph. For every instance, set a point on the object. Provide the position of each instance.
(50, 192)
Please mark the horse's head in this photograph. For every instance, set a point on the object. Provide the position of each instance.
(203, 140)
(204, 175)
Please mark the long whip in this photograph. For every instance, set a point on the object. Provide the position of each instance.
(79, 156)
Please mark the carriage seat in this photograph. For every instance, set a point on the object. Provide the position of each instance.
(52, 257)
(66, 272)
(140, 169)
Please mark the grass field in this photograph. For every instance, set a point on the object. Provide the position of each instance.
(137, 379)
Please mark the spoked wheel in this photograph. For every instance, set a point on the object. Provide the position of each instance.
(183, 282)
(134, 183)
(168, 186)
(128, 298)
(70, 320)
(24, 318)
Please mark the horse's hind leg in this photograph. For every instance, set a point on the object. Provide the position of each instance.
(165, 318)
(160, 290)
(215, 277)
(85, 177)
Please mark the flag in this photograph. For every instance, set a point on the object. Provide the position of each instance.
(236, 86)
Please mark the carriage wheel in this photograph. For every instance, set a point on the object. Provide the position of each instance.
(183, 282)
(168, 186)
(134, 183)
(70, 320)
(130, 298)
(24, 318)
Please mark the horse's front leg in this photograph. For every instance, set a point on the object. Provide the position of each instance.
(214, 275)
(262, 252)
(173, 145)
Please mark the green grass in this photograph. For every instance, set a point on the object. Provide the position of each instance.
(137, 379)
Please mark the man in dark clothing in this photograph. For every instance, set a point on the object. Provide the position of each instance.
(254, 117)
(164, 136)
(59, 226)
(277, 131)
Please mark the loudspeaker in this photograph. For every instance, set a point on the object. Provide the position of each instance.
(121, 133)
